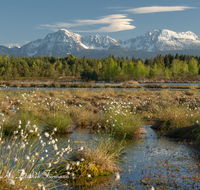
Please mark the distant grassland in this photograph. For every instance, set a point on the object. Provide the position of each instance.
(77, 83)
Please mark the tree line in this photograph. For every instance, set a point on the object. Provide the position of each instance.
(168, 67)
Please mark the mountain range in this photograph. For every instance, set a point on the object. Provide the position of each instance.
(63, 43)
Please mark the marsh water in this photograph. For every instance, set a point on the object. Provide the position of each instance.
(101, 88)
(164, 83)
(151, 159)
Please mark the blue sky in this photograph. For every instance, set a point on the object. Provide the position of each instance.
(23, 21)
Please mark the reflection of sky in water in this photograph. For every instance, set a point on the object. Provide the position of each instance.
(143, 156)
(92, 89)
(171, 83)
(152, 153)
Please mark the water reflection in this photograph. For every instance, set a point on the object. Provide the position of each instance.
(155, 155)
(149, 157)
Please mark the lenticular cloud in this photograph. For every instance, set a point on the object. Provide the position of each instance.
(156, 9)
(114, 23)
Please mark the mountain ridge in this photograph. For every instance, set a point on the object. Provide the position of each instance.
(64, 42)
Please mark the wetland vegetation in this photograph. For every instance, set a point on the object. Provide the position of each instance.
(38, 151)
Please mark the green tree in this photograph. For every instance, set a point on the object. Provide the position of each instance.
(176, 68)
(6, 56)
(167, 73)
(139, 70)
(34, 70)
(193, 67)
(184, 69)
(110, 69)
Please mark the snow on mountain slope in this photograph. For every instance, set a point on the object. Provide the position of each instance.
(64, 41)
(99, 42)
(162, 40)
(57, 42)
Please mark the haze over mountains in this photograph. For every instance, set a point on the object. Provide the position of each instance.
(63, 43)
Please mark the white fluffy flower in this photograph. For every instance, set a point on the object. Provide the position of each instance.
(48, 165)
(55, 147)
(46, 134)
(89, 175)
(67, 167)
(22, 145)
(116, 176)
(27, 157)
(8, 147)
(41, 186)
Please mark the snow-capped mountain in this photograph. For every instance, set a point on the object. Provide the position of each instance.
(54, 43)
(100, 42)
(162, 40)
(64, 42)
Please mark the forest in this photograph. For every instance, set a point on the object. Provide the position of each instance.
(169, 67)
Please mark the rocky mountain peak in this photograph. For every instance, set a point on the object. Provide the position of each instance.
(64, 42)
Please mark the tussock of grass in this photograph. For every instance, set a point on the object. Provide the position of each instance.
(10, 124)
(104, 155)
(58, 120)
(124, 126)
(94, 159)
(174, 117)
(82, 117)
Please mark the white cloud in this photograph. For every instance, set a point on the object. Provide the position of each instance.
(156, 9)
(115, 22)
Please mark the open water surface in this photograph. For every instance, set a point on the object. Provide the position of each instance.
(149, 158)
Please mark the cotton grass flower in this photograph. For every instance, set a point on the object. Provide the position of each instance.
(46, 134)
(44, 174)
(15, 159)
(116, 176)
(22, 145)
(77, 163)
(89, 175)
(27, 157)
(41, 186)
(48, 165)
(67, 167)
(55, 147)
